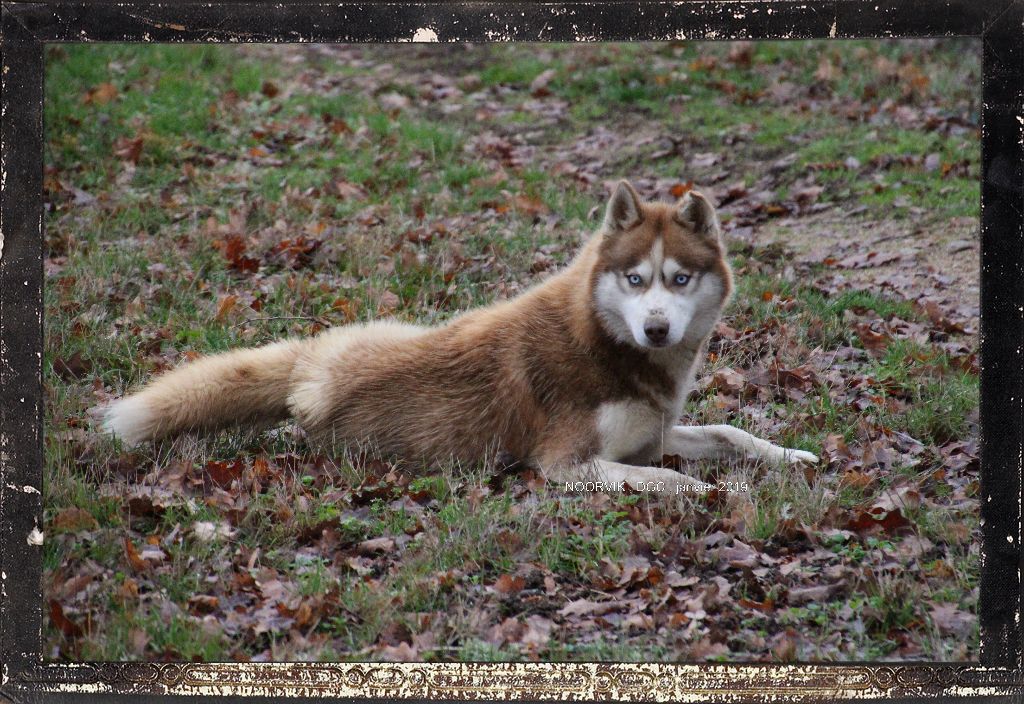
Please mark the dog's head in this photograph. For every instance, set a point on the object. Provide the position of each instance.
(661, 277)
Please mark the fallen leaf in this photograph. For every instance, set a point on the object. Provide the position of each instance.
(586, 607)
(349, 191)
(100, 94)
(509, 584)
(223, 473)
(129, 149)
(678, 190)
(207, 531)
(728, 381)
(819, 594)
(70, 368)
(134, 558)
(69, 628)
(952, 621)
(224, 308)
(539, 85)
(73, 520)
(203, 603)
(376, 545)
(865, 521)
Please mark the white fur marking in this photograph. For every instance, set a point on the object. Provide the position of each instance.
(626, 427)
(670, 268)
(128, 419)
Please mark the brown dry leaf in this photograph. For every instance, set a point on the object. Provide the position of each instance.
(539, 85)
(294, 252)
(129, 149)
(678, 190)
(347, 307)
(675, 580)
(820, 593)
(874, 342)
(586, 607)
(538, 631)
(786, 646)
(509, 584)
(403, 652)
(234, 248)
(938, 317)
(705, 648)
(224, 307)
(73, 520)
(134, 558)
(826, 71)
(877, 519)
(375, 546)
(868, 260)
(940, 569)
(69, 628)
(74, 585)
(806, 196)
(349, 191)
(904, 497)
(148, 500)
(203, 603)
(74, 367)
(223, 473)
(856, 480)
(336, 125)
(531, 207)
(766, 605)
(739, 555)
(128, 590)
(953, 621)
(728, 381)
(508, 631)
(389, 303)
(741, 54)
(100, 94)
(835, 448)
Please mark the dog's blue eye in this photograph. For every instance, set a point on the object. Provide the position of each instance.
(634, 279)
(682, 279)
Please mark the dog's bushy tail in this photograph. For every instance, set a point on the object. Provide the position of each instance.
(249, 385)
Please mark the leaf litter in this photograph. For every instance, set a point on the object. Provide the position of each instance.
(277, 553)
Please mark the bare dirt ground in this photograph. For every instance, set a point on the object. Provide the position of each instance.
(937, 260)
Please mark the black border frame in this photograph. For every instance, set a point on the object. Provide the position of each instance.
(26, 27)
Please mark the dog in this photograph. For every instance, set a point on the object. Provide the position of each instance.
(583, 376)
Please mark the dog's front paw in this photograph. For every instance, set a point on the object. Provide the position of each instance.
(799, 457)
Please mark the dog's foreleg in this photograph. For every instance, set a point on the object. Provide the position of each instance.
(726, 442)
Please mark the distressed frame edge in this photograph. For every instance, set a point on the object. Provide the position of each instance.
(22, 672)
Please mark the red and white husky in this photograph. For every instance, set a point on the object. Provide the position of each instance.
(583, 376)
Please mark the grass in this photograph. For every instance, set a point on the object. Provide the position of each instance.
(418, 213)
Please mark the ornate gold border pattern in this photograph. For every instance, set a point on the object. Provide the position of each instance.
(522, 681)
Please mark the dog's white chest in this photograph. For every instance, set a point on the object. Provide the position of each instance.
(627, 427)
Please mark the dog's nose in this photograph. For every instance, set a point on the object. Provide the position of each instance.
(656, 330)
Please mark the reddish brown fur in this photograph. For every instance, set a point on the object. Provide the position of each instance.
(526, 376)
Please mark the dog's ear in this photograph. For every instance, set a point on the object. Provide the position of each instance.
(694, 211)
(623, 210)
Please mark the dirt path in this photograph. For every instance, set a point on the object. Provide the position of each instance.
(936, 261)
